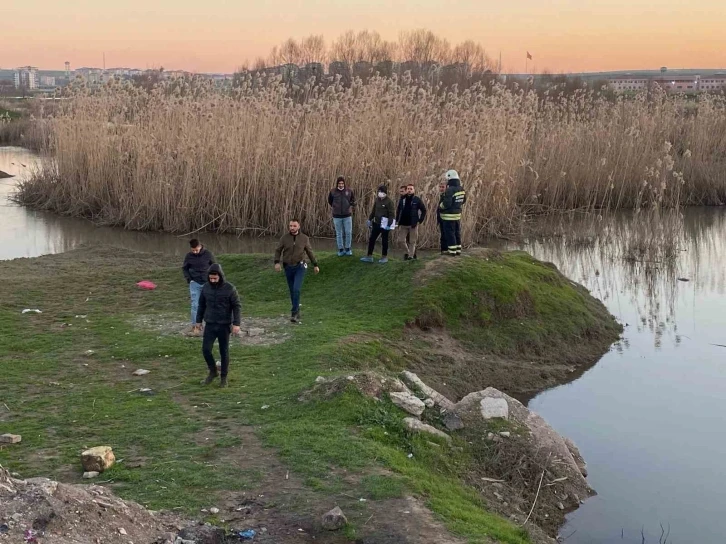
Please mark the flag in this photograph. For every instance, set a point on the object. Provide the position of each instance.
(529, 57)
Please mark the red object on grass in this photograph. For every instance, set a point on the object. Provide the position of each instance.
(146, 284)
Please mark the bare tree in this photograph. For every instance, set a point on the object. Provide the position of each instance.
(473, 55)
(312, 49)
(289, 52)
(346, 49)
(259, 64)
(423, 46)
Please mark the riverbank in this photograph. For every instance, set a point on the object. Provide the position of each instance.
(70, 385)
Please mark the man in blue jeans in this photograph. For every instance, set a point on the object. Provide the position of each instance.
(342, 201)
(290, 254)
(195, 268)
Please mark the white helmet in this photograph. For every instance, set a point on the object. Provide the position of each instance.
(452, 174)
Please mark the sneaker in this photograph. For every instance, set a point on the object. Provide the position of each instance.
(383, 260)
(405, 256)
(223, 382)
(341, 253)
(367, 259)
(293, 317)
(415, 257)
(348, 252)
(210, 378)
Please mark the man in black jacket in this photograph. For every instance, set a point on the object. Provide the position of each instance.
(195, 267)
(411, 211)
(220, 308)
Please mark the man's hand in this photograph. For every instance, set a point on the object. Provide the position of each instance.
(316, 269)
(277, 267)
(235, 330)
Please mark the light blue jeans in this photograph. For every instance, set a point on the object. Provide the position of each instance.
(343, 231)
(195, 289)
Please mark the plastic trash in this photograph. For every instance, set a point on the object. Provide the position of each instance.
(248, 534)
(31, 310)
(146, 284)
(30, 536)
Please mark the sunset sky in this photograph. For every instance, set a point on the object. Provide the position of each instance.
(217, 35)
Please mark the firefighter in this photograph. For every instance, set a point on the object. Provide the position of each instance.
(450, 212)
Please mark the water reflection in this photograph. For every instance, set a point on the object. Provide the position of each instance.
(648, 416)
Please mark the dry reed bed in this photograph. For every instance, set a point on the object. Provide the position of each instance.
(185, 156)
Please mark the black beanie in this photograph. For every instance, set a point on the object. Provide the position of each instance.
(382, 189)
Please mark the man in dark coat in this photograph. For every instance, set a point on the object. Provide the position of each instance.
(220, 309)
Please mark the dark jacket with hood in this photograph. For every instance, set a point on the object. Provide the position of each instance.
(452, 201)
(342, 202)
(415, 212)
(382, 207)
(196, 265)
(219, 302)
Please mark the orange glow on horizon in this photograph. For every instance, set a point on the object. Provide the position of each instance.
(218, 35)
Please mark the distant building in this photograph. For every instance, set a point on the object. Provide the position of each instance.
(47, 81)
(716, 82)
(676, 81)
(26, 77)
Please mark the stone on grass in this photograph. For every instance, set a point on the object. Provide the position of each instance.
(408, 402)
(414, 381)
(10, 438)
(334, 520)
(98, 459)
(429, 402)
(90, 474)
(413, 424)
(214, 511)
(141, 372)
(453, 422)
(493, 407)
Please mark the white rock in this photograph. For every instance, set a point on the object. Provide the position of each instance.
(90, 474)
(408, 402)
(141, 372)
(505, 434)
(320, 379)
(416, 425)
(414, 381)
(494, 407)
(214, 511)
(122, 531)
(429, 402)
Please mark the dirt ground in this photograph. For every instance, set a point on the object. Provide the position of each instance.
(254, 331)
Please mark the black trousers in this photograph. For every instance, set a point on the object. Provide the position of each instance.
(442, 237)
(375, 232)
(212, 332)
(452, 234)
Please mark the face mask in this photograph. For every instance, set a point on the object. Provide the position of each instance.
(381, 194)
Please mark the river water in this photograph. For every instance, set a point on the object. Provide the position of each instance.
(648, 417)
